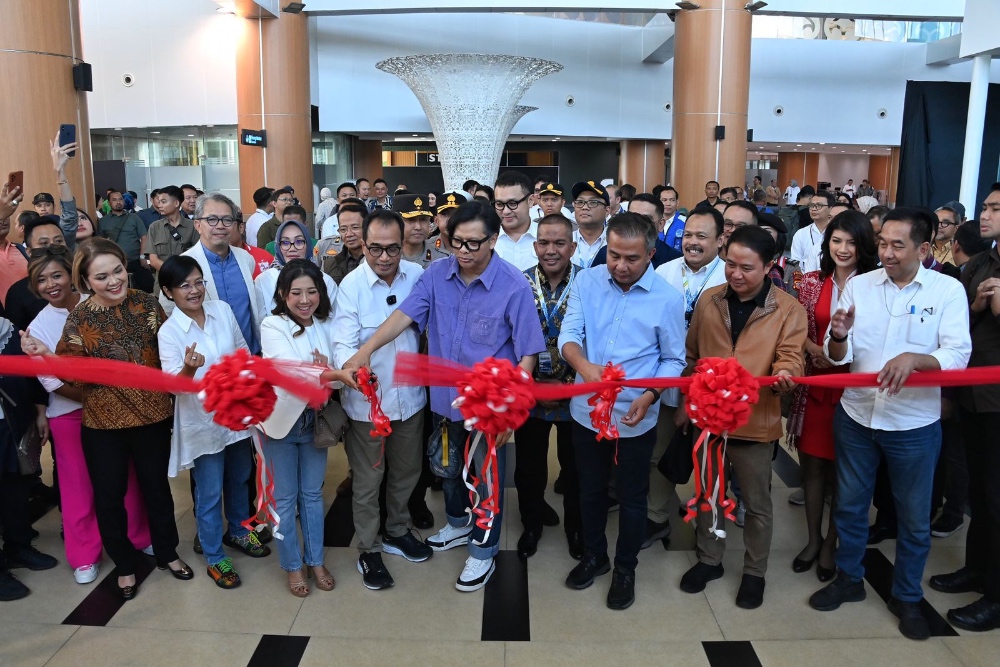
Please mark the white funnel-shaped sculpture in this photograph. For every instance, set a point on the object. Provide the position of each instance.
(471, 102)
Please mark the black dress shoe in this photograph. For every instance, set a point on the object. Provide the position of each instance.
(695, 579)
(575, 543)
(800, 565)
(912, 623)
(825, 574)
(10, 588)
(751, 593)
(559, 486)
(980, 616)
(583, 575)
(621, 595)
(422, 516)
(879, 533)
(184, 573)
(549, 515)
(837, 592)
(528, 544)
(196, 545)
(128, 592)
(964, 580)
(30, 558)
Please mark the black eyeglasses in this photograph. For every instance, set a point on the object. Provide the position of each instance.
(588, 203)
(472, 245)
(509, 205)
(55, 249)
(390, 250)
(299, 244)
(213, 221)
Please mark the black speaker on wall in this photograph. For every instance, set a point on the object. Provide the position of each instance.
(750, 135)
(720, 132)
(83, 77)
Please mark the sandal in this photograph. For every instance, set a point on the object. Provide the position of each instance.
(298, 586)
(324, 580)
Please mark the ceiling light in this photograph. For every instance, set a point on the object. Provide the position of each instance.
(843, 151)
(823, 143)
(190, 135)
(155, 132)
(294, 7)
(754, 6)
(864, 150)
(799, 145)
(416, 135)
(688, 5)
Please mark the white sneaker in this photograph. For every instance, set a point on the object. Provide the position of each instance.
(86, 574)
(449, 537)
(475, 574)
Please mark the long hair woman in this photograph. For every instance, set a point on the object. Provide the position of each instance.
(848, 250)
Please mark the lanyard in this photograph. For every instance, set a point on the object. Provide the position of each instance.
(689, 301)
(543, 303)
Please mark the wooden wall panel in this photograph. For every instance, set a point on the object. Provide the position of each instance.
(642, 164)
(368, 159)
(811, 169)
(791, 166)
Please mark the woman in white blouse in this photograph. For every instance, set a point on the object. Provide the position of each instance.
(300, 330)
(50, 277)
(197, 335)
(292, 242)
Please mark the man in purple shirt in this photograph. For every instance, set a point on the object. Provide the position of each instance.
(473, 305)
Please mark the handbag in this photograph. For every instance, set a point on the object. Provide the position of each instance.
(330, 425)
(29, 451)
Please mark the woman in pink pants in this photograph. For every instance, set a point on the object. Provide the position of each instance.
(49, 272)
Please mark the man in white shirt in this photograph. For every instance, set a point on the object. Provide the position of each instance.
(893, 321)
(590, 207)
(807, 244)
(849, 189)
(792, 193)
(329, 225)
(699, 269)
(366, 298)
(550, 200)
(516, 243)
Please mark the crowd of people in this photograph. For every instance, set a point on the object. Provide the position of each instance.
(560, 282)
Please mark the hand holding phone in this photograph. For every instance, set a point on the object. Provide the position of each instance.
(15, 180)
(67, 135)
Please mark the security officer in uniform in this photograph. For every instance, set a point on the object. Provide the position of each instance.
(417, 215)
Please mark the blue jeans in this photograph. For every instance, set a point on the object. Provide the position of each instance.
(594, 463)
(911, 457)
(299, 469)
(457, 501)
(223, 474)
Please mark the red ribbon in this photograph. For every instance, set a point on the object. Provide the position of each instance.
(381, 428)
(603, 404)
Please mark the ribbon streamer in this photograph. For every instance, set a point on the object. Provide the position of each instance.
(603, 404)
(381, 427)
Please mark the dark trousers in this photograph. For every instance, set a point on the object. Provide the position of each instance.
(951, 478)
(108, 453)
(142, 278)
(531, 473)
(882, 499)
(982, 542)
(594, 463)
(14, 491)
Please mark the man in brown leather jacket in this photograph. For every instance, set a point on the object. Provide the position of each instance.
(765, 329)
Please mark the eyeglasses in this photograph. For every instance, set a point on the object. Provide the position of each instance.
(390, 250)
(299, 244)
(733, 225)
(472, 245)
(285, 200)
(946, 223)
(196, 286)
(55, 249)
(213, 221)
(588, 203)
(509, 205)
(816, 207)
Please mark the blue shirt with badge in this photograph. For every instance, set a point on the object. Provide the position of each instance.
(551, 304)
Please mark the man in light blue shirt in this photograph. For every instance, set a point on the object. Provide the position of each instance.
(622, 313)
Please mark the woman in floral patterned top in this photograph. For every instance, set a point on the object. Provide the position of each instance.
(122, 425)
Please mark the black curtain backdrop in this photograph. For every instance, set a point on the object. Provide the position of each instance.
(934, 118)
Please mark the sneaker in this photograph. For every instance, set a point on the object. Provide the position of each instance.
(11, 588)
(698, 576)
(912, 623)
(407, 546)
(475, 574)
(449, 537)
(741, 513)
(837, 592)
(621, 595)
(30, 558)
(264, 533)
(248, 544)
(374, 575)
(86, 574)
(654, 532)
(590, 567)
(946, 525)
(223, 574)
(797, 497)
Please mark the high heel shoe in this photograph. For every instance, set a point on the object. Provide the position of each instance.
(129, 592)
(825, 574)
(800, 565)
(298, 587)
(324, 580)
(184, 573)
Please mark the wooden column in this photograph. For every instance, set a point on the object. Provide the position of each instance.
(39, 44)
(368, 159)
(711, 87)
(791, 166)
(272, 94)
(642, 164)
